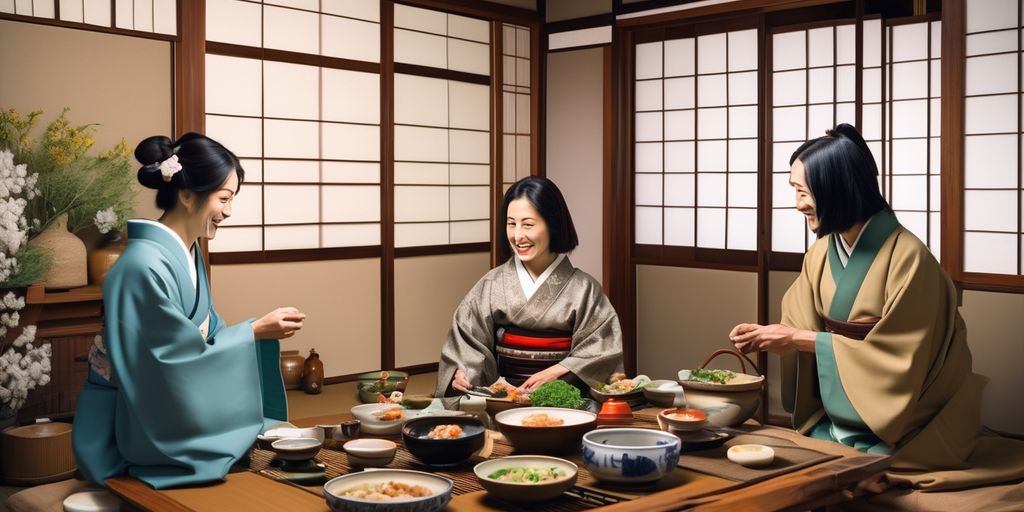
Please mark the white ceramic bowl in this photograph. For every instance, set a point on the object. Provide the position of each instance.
(440, 487)
(285, 430)
(663, 392)
(630, 455)
(296, 448)
(370, 453)
(751, 455)
(686, 420)
(526, 492)
(371, 424)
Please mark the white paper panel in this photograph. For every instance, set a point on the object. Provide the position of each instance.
(469, 147)
(288, 29)
(648, 60)
(990, 210)
(935, 237)
(789, 124)
(872, 43)
(142, 13)
(711, 156)
(679, 223)
(470, 106)
(648, 126)
(711, 91)
(935, 159)
(462, 174)
(872, 85)
(876, 153)
(680, 157)
(351, 96)
(417, 173)
(846, 44)
(350, 39)
(781, 152)
(846, 113)
(247, 207)
(743, 50)
(782, 192)
(789, 50)
(910, 118)
(522, 72)
(291, 90)
(508, 67)
(363, 9)
(679, 93)
(679, 125)
(909, 42)
(523, 113)
(123, 17)
(237, 239)
(523, 42)
(820, 47)
(711, 123)
(421, 144)
(788, 228)
(253, 170)
(992, 42)
(991, 14)
(421, 100)
(43, 9)
(872, 121)
(351, 203)
(916, 222)
(935, 86)
(290, 139)
(648, 225)
(417, 204)
(821, 86)
(508, 158)
(97, 12)
(743, 88)
(470, 232)
(410, 235)
(993, 253)
(909, 156)
(789, 88)
(935, 193)
(648, 95)
(992, 74)
(351, 141)
(711, 189)
(8, 6)
(648, 189)
(647, 157)
(711, 228)
(679, 189)
(424, 20)
(244, 137)
(910, 80)
(475, 58)
(679, 56)
(419, 48)
(711, 54)
(743, 190)
(350, 235)
(742, 122)
(233, 85)
(228, 21)
(508, 104)
(743, 155)
(165, 17)
(291, 171)
(308, 5)
(846, 83)
(819, 119)
(524, 163)
(909, 193)
(292, 237)
(350, 172)
(991, 114)
(990, 161)
(286, 204)
(742, 229)
(469, 203)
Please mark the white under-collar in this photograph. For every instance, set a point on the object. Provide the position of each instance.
(847, 250)
(526, 280)
(181, 243)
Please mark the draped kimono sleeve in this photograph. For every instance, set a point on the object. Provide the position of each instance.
(470, 341)
(801, 306)
(597, 337)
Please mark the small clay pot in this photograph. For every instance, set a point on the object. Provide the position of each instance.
(291, 369)
(313, 374)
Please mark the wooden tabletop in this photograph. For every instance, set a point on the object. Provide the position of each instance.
(824, 483)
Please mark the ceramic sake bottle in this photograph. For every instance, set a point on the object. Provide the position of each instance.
(313, 374)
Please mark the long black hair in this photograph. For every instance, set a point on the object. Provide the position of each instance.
(547, 199)
(842, 177)
(205, 166)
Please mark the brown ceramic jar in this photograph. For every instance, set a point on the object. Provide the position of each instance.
(291, 369)
(313, 374)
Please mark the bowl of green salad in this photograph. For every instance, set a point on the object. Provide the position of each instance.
(526, 478)
(727, 397)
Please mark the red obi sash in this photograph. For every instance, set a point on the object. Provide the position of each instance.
(543, 341)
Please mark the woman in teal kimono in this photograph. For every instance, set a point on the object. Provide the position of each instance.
(873, 349)
(174, 395)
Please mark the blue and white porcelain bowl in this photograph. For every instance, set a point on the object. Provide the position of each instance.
(630, 455)
(440, 488)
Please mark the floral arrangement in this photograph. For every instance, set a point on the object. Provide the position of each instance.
(24, 366)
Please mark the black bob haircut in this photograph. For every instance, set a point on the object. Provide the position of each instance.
(547, 199)
(842, 177)
(205, 166)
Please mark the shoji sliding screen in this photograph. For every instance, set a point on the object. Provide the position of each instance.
(155, 16)
(516, 96)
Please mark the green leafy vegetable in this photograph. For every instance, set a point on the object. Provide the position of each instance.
(718, 376)
(527, 475)
(557, 393)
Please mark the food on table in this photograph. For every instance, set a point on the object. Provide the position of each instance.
(392, 414)
(444, 432)
(542, 420)
(386, 491)
(394, 398)
(687, 415)
(557, 393)
(527, 475)
(618, 384)
(715, 376)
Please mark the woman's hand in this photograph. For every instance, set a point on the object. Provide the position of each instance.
(460, 382)
(773, 338)
(279, 323)
(543, 377)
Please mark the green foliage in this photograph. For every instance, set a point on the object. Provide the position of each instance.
(557, 393)
(719, 376)
(33, 262)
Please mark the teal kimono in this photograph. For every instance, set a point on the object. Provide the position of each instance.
(179, 407)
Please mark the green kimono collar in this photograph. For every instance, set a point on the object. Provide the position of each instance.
(197, 299)
(849, 279)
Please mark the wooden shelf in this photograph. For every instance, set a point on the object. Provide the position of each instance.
(37, 294)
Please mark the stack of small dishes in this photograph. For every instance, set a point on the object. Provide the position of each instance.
(545, 429)
(287, 431)
(444, 440)
(526, 478)
(630, 455)
(370, 453)
(373, 491)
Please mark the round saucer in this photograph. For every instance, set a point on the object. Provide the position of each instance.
(701, 439)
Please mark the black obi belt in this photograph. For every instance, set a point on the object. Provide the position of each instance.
(522, 353)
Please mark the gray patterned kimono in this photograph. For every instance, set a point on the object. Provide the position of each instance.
(568, 301)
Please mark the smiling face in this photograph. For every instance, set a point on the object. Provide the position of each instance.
(215, 209)
(804, 200)
(527, 232)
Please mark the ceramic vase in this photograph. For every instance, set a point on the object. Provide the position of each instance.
(291, 369)
(102, 258)
(313, 374)
(68, 252)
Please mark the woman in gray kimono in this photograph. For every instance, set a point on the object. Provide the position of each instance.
(534, 318)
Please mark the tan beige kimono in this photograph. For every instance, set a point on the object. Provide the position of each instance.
(568, 301)
(909, 379)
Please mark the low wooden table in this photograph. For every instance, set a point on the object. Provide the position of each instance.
(816, 485)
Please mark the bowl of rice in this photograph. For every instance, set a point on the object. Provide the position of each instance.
(388, 490)
(444, 440)
(526, 478)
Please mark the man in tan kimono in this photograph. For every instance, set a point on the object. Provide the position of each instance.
(874, 351)
(535, 318)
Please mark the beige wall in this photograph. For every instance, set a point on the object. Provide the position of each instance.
(574, 140)
(559, 10)
(121, 83)
(427, 291)
(340, 298)
(778, 283)
(997, 347)
(685, 314)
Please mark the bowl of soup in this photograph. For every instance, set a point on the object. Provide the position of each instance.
(526, 478)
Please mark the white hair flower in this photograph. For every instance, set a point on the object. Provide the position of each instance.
(170, 167)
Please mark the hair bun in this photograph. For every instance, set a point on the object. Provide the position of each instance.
(150, 152)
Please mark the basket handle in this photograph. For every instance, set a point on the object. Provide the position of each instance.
(739, 355)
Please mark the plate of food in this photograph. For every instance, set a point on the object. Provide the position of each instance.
(621, 388)
(526, 478)
(388, 490)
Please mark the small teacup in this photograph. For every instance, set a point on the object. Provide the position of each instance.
(346, 430)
